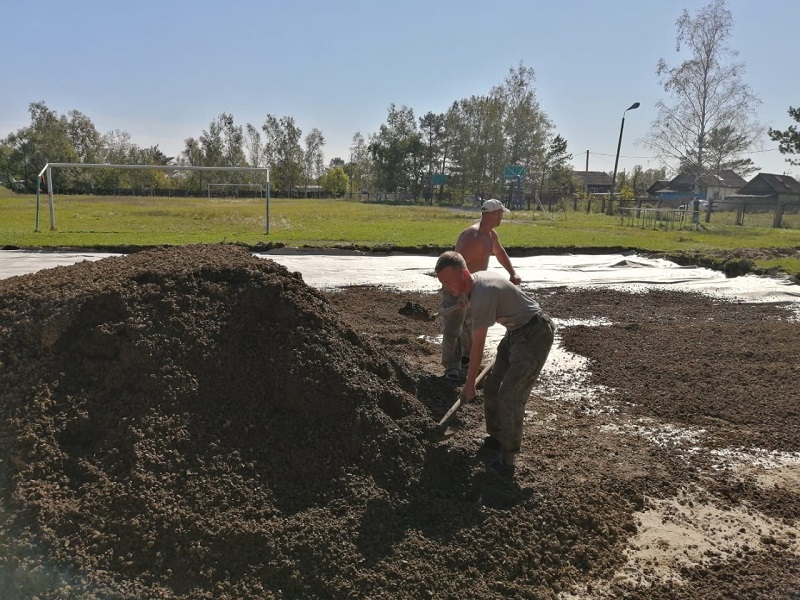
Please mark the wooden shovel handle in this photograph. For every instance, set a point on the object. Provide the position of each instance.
(457, 403)
(484, 373)
(447, 311)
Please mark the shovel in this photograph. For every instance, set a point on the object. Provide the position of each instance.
(457, 403)
(415, 311)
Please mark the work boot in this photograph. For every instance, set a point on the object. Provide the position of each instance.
(491, 443)
(503, 468)
(453, 374)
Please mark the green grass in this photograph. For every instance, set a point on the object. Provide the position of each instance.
(125, 222)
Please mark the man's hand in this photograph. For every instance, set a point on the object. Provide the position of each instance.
(467, 393)
(515, 279)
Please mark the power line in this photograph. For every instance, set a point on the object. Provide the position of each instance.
(656, 158)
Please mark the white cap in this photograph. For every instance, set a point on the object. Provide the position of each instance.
(493, 205)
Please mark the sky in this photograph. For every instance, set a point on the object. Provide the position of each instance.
(163, 70)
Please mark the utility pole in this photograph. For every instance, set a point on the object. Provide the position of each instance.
(616, 160)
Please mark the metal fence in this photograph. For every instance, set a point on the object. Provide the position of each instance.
(783, 216)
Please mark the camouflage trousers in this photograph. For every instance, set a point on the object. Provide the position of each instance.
(521, 355)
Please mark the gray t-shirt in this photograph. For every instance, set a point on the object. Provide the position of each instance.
(494, 299)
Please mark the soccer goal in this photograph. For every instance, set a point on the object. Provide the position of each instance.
(234, 186)
(47, 174)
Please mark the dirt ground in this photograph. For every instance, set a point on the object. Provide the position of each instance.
(196, 422)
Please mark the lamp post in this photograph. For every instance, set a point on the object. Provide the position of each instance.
(616, 160)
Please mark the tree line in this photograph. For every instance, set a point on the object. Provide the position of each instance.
(437, 157)
(466, 149)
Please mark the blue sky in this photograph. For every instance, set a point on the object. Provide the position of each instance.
(162, 70)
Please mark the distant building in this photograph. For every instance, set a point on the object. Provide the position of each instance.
(311, 191)
(767, 190)
(715, 188)
(595, 182)
(657, 186)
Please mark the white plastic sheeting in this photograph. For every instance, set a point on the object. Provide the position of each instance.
(409, 272)
(631, 272)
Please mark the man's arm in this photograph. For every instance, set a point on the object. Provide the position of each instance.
(476, 354)
(502, 257)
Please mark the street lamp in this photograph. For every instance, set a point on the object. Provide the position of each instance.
(616, 160)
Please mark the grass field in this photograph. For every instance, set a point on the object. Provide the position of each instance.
(129, 222)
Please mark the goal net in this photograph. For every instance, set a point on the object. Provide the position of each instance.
(223, 189)
(46, 174)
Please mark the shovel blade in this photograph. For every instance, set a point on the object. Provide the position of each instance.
(416, 311)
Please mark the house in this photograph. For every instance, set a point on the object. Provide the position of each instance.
(721, 186)
(594, 182)
(765, 190)
(715, 188)
(657, 186)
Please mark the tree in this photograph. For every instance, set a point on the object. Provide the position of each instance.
(232, 141)
(526, 128)
(644, 178)
(789, 140)
(432, 127)
(45, 140)
(397, 151)
(484, 134)
(477, 146)
(554, 165)
(5, 166)
(193, 155)
(254, 147)
(86, 140)
(335, 181)
(144, 179)
(213, 147)
(722, 146)
(117, 150)
(626, 193)
(284, 154)
(359, 168)
(708, 95)
(312, 156)
(223, 146)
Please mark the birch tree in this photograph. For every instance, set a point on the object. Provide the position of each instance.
(284, 153)
(706, 95)
(360, 166)
(313, 158)
(254, 147)
(526, 127)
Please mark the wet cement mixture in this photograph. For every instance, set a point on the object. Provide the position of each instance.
(196, 422)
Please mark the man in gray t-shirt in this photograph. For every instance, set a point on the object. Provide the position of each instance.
(521, 353)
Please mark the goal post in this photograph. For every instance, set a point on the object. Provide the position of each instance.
(47, 174)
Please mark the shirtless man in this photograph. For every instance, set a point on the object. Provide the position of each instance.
(477, 243)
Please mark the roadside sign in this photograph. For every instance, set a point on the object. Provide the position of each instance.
(513, 172)
(439, 179)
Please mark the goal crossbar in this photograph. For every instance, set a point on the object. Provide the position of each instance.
(47, 171)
